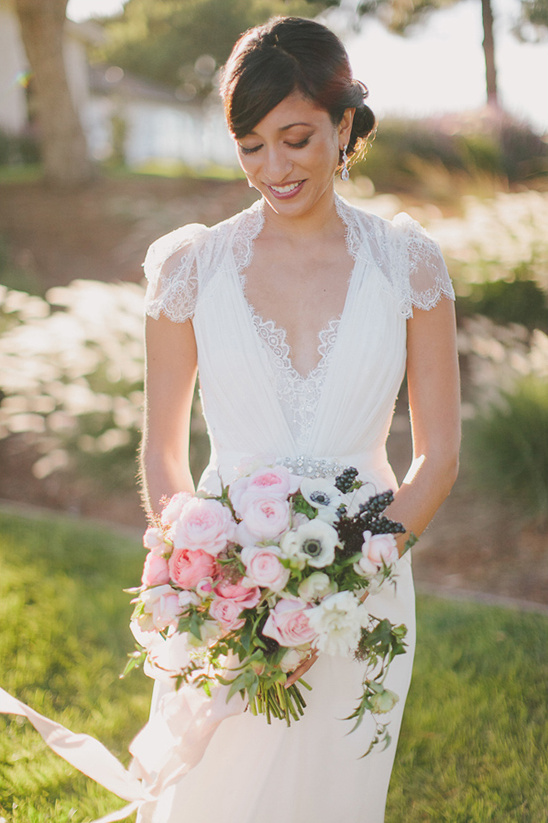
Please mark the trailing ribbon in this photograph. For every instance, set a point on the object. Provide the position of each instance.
(167, 747)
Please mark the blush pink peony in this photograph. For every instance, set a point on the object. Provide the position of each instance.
(161, 608)
(263, 568)
(288, 624)
(227, 613)
(153, 539)
(203, 524)
(174, 507)
(155, 570)
(247, 597)
(274, 481)
(187, 568)
(265, 517)
(379, 548)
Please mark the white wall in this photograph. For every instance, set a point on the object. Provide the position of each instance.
(13, 107)
(158, 131)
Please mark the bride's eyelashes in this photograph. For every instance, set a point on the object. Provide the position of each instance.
(253, 149)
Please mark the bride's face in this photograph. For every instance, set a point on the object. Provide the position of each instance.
(291, 155)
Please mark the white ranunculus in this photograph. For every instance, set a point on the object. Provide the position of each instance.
(313, 543)
(316, 586)
(338, 621)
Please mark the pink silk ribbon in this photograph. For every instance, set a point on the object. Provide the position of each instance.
(167, 747)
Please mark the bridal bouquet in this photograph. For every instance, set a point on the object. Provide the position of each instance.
(241, 588)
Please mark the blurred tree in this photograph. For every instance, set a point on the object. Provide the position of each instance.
(534, 13)
(400, 15)
(64, 149)
(181, 43)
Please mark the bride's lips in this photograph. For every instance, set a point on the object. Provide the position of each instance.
(287, 190)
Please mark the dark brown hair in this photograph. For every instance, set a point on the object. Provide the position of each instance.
(290, 54)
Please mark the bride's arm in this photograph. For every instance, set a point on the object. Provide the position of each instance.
(170, 376)
(434, 402)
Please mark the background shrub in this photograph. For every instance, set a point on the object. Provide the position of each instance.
(507, 443)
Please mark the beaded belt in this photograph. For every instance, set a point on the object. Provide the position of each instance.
(312, 467)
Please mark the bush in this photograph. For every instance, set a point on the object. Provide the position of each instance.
(508, 447)
(508, 301)
(18, 150)
(71, 382)
(496, 148)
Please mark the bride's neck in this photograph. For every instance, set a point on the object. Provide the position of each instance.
(320, 221)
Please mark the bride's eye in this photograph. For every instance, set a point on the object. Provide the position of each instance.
(247, 150)
(301, 144)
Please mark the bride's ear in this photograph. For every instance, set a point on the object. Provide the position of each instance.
(345, 127)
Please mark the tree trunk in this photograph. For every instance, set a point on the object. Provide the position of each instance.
(64, 149)
(489, 53)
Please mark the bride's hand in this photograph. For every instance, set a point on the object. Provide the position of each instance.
(300, 670)
(306, 664)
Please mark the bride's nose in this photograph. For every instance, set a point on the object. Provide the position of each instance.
(277, 165)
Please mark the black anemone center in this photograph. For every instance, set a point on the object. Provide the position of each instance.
(320, 497)
(312, 547)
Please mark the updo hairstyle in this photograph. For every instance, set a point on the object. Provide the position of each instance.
(291, 54)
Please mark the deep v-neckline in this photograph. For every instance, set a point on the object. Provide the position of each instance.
(273, 335)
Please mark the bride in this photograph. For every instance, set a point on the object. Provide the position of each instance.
(301, 315)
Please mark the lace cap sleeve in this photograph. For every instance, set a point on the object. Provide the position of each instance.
(172, 270)
(428, 279)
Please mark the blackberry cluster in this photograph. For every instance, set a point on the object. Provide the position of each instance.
(369, 515)
(351, 529)
(350, 533)
(345, 481)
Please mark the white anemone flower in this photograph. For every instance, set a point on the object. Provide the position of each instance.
(311, 544)
(323, 496)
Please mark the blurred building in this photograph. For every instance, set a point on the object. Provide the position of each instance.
(124, 117)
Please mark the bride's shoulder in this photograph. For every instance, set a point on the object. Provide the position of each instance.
(193, 240)
(402, 229)
(409, 259)
(176, 264)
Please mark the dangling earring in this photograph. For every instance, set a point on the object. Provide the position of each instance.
(345, 174)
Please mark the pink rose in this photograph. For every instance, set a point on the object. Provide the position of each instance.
(174, 507)
(263, 568)
(275, 481)
(153, 539)
(380, 547)
(227, 613)
(265, 517)
(188, 568)
(288, 624)
(161, 608)
(203, 524)
(246, 597)
(205, 587)
(155, 570)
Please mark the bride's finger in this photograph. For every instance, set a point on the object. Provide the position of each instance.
(300, 670)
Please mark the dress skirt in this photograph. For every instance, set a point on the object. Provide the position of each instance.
(311, 772)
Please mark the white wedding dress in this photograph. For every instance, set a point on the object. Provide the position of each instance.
(257, 405)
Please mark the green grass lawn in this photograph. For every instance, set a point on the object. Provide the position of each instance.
(474, 746)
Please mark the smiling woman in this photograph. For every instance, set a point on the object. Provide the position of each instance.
(301, 315)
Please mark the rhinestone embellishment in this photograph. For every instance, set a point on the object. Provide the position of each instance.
(311, 467)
